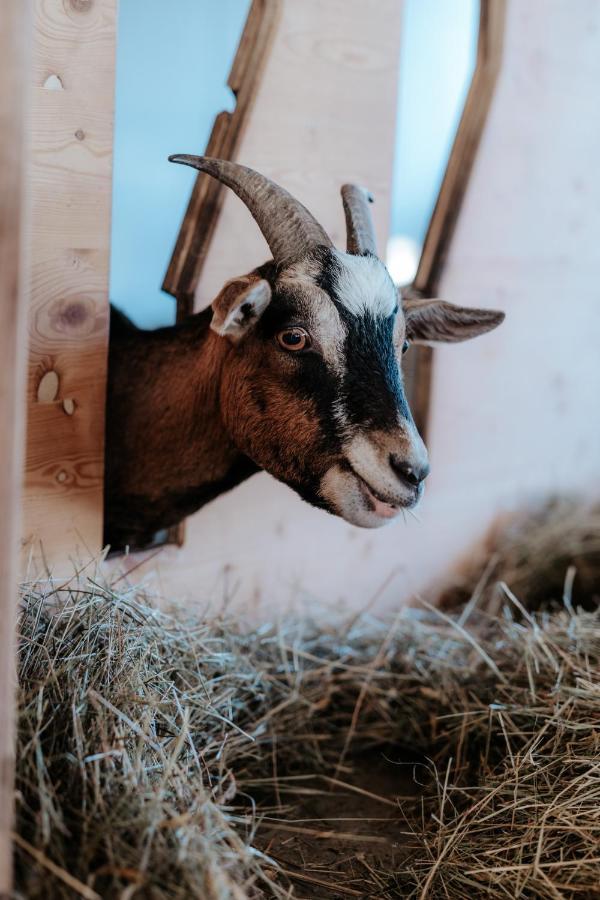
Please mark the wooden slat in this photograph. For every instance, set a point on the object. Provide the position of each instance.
(205, 203)
(419, 361)
(15, 36)
(70, 176)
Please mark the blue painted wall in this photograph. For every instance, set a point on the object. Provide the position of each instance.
(439, 42)
(173, 59)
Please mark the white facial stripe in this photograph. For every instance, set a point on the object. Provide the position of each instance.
(340, 413)
(364, 284)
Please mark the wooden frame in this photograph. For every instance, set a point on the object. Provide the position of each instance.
(201, 216)
(14, 67)
(419, 361)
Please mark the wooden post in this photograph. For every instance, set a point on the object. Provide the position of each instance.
(14, 78)
(70, 179)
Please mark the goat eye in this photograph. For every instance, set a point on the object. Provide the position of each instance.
(293, 339)
(405, 346)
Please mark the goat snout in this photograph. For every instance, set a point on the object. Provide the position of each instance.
(412, 472)
(382, 474)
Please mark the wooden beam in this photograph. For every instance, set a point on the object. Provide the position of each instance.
(14, 42)
(71, 181)
(419, 361)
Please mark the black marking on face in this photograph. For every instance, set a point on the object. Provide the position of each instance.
(248, 313)
(282, 312)
(369, 391)
(317, 382)
(373, 391)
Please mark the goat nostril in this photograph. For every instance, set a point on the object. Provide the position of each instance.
(409, 474)
(412, 474)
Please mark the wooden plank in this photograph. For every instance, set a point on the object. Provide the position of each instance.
(419, 361)
(14, 43)
(70, 175)
(199, 222)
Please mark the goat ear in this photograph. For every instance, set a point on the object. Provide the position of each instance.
(436, 320)
(239, 306)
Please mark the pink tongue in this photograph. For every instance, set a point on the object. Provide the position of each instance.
(385, 510)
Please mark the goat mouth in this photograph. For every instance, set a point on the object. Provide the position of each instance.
(378, 503)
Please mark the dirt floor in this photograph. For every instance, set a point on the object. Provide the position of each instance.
(335, 835)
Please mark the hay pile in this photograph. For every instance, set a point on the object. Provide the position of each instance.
(536, 552)
(167, 758)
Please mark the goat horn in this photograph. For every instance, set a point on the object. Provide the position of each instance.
(287, 226)
(360, 234)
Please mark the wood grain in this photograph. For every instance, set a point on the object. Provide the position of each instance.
(15, 39)
(419, 361)
(200, 219)
(70, 176)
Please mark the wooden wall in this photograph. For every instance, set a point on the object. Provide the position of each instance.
(15, 35)
(70, 178)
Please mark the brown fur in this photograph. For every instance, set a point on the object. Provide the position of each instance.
(188, 410)
(164, 433)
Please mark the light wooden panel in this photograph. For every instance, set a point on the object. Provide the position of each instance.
(70, 175)
(14, 41)
(324, 114)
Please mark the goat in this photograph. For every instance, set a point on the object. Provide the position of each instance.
(295, 370)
